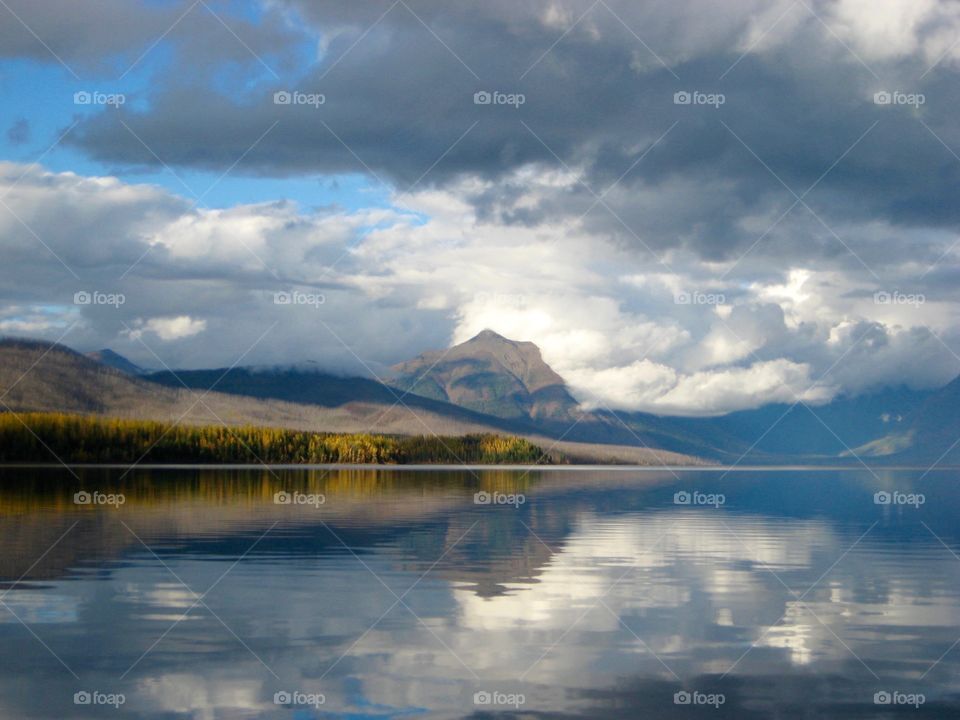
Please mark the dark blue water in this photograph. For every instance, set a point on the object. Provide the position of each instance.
(386, 594)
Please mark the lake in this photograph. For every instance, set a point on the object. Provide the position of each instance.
(388, 593)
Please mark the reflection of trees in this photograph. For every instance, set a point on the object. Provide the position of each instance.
(167, 505)
(164, 505)
(693, 576)
(26, 489)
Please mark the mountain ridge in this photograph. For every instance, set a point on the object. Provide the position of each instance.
(488, 383)
(39, 376)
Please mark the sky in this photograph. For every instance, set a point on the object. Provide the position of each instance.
(690, 207)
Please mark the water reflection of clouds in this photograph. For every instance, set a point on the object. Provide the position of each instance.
(697, 588)
(200, 697)
(680, 583)
(37, 607)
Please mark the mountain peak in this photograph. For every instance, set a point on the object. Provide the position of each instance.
(491, 374)
(488, 334)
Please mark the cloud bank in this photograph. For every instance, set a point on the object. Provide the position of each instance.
(691, 208)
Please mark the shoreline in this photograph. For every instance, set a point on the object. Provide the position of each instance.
(453, 467)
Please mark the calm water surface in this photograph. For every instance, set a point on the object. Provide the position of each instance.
(773, 594)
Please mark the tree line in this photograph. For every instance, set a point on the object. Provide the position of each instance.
(45, 437)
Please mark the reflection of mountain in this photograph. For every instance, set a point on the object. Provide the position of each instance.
(486, 549)
(226, 508)
(208, 507)
(581, 598)
(599, 550)
(704, 594)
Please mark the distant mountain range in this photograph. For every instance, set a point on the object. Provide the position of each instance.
(508, 379)
(487, 384)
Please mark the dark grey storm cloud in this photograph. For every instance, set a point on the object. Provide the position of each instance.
(106, 39)
(399, 81)
(656, 144)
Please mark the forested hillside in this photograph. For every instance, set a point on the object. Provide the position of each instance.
(48, 437)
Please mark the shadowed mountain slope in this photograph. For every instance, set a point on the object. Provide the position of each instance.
(929, 433)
